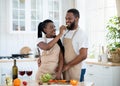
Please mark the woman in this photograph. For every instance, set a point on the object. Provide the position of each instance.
(51, 50)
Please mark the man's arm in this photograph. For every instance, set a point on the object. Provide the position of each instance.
(82, 56)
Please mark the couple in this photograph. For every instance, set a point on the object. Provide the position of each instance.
(55, 58)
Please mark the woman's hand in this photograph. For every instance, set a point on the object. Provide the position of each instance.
(58, 76)
(62, 29)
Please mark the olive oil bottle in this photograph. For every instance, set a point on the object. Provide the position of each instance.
(14, 70)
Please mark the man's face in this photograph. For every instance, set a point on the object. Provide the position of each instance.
(70, 20)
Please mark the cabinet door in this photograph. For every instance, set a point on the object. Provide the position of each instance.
(93, 74)
(30, 65)
(103, 75)
(6, 70)
(27, 14)
(0, 75)
(18, 15)
(95, 79)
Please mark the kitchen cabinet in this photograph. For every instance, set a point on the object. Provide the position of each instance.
(25, 15)
(103, 75)
(26, 64)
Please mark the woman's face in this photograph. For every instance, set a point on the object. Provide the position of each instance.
(50, 30)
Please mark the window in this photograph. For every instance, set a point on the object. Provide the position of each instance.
(27, 14)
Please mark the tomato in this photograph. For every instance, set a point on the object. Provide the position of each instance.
(74, 82)
(25, 83)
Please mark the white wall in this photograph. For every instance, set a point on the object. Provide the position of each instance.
(80, 5)
(118, 7)
(12, 43)
(66, 4)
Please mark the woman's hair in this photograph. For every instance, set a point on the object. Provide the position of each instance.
(42, 25)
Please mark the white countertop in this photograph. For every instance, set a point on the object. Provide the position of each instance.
(95, 61)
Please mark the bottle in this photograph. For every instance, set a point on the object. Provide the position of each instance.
(14, 70)
(99, 54)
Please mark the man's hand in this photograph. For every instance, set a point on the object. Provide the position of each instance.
(65, 67)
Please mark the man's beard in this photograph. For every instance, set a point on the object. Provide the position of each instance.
(72, 25)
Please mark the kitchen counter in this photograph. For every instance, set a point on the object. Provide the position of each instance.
(79, 84)
(102, 73)
(95, 61)
(19, 60)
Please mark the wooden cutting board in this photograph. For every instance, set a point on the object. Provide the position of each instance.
(25, 50)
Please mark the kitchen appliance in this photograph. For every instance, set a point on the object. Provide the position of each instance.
(17, 56)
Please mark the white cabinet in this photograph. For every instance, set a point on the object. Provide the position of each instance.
(6, 69)
(0, 75)
(25, 15)
(103, 75)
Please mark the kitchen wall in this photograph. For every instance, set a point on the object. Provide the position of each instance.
(12, 43)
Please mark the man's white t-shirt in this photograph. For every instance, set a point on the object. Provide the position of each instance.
(79, 40)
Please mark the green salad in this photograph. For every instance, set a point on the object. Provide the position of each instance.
(45, 77)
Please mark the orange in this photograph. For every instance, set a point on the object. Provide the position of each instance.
(74, 82)
(16, 82)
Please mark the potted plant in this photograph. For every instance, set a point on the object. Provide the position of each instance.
(113, 38)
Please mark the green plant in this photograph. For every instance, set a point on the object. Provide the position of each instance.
(113, 33)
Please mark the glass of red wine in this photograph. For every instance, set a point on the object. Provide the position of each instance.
(29, 73)
(21, 73)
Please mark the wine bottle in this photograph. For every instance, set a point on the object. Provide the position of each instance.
(14, 70)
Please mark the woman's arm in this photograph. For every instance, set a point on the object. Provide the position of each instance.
(60, 66)
(47, 46)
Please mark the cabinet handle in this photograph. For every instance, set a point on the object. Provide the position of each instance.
(90, 65)
(106, 67)
(91, 74)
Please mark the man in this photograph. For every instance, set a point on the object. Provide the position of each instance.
(75, 44)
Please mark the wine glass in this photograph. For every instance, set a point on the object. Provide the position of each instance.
(29, 73)
(21, 72)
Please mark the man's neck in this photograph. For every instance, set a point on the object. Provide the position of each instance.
(75, 27)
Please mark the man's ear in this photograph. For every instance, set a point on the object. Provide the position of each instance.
(77, 19)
